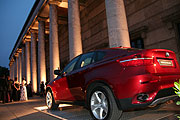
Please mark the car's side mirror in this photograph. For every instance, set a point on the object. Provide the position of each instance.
(57, 72)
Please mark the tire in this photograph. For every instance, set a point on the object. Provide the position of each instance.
(102, 104)
(50, 101)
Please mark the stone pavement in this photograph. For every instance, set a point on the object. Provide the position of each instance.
(35, 109)
(162, 112)
(24, 110)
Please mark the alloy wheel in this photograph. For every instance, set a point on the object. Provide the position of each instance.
(49, 99)
(99, 105)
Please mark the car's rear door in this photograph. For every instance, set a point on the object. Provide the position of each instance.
(76, 78)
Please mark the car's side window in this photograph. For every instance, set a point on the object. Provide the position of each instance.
(70, 66)
(86, 59)
(99, 56)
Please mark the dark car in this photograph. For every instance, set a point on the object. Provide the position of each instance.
(112, 80)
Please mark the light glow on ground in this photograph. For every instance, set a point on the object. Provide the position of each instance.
(45, 108)
(41, 108)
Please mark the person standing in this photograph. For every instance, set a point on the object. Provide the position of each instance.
(16, 90)
(42, 88)
(1, 89)
(23, 92)
(5, 89)
(10, 88)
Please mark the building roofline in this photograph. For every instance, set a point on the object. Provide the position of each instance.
(33, 13)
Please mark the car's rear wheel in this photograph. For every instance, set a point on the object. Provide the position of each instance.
(50, 101)
(102, 104)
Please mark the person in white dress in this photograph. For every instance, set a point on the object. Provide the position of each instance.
(23, 91)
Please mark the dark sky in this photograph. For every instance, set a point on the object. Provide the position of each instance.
(13, 14)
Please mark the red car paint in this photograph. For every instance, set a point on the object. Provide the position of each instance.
(128, 72)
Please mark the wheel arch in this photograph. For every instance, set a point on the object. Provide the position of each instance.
(91, 84)
(54, 104)
(48, 88)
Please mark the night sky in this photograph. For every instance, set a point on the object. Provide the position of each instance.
(13, 14)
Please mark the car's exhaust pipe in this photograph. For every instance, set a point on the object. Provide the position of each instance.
(142, 97)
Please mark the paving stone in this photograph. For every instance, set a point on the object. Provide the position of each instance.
(35, 109)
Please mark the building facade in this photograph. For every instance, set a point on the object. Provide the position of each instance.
(58, 30)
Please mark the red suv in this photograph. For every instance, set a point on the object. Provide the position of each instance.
(111, 80)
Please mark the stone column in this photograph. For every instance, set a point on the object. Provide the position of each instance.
(16, 73)
(11, 70)
(33, 61)
(23, 62)
(41, 54)
(117, 23)
(53, 41)
(28, 73)
(19, 68)
(11, 66)
(74, 27)
(14, 67)
(13, 75)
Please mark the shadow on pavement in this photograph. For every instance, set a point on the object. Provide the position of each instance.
(35, 116)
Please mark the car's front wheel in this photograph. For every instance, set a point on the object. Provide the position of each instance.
(102, 104)
(50, 101)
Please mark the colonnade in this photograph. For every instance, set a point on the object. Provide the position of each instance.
(27, 65)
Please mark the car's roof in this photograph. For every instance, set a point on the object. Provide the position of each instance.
(118, 48)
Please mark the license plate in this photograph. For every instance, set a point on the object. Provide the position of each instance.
(165, 62)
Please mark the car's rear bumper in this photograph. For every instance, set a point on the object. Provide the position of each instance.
(130, 87)
(163, 100)
(162, 96)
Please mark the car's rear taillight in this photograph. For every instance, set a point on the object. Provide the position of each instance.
(137, 60)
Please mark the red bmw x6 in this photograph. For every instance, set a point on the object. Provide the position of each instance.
(111, 80)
